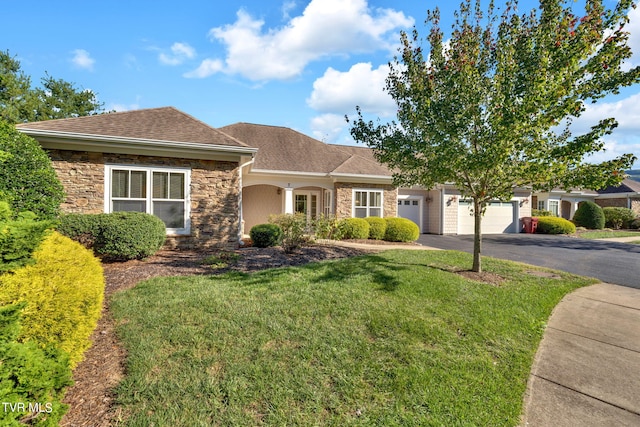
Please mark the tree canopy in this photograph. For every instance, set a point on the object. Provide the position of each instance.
(55, 99)
(491, 108)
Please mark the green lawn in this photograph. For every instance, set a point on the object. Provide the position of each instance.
(392, 339)
(607, 234)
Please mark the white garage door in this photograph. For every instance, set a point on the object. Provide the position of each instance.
(410, 209)
(498, 218)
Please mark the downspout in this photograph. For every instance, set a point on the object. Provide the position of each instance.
(240, 215)
(442, 210)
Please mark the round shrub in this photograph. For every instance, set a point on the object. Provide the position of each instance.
(555, 225)
(541, 212)
(377, 227)
(589, 215)
(266, 235)
(354, 228)
(63, 292)
(117, 236)
(618, 218)
(401, 230)
(27, 179)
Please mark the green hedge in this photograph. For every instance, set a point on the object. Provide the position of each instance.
(354, 228)
(266, 235)
(377, 227)
(589, 215)
(618, 217)
(555, 225)
(118, 236)
(18, 238)
(401, 230)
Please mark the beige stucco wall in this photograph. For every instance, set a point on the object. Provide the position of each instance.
(258, 202)
(213, 192)
(344, 198)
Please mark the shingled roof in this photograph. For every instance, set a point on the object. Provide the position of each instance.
(166, 124)
(627, 186)
(283, 149)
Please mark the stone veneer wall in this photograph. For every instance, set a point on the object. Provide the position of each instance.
(214, 192)
(344, 198)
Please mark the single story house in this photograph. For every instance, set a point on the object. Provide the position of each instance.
(210, 186)
(565, 203)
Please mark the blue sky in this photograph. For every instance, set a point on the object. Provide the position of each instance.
(294, 63)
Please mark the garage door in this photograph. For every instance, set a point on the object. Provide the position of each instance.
(498, 218)
(410, 209)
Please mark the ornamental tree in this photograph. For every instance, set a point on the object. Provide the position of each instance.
(491, 108)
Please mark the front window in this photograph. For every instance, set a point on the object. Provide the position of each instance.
(554, 207)
(158, 191)
(367, 203)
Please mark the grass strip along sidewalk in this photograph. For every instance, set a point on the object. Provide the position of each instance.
(394, 338)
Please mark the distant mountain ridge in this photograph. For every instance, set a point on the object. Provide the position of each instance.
(634, 174)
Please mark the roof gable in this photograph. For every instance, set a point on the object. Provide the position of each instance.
(156, 124)
(284, 149)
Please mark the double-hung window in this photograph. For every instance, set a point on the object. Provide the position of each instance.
(367, 203)
(554, 207)
(162, 192)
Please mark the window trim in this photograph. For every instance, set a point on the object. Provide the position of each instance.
(556, 204)
(368, 208)
(108, 168)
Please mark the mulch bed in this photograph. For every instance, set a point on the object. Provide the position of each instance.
(91, 398)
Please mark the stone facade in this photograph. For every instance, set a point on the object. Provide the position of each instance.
(344, 198)
(213, 192)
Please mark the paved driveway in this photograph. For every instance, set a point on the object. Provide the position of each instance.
(611, 262)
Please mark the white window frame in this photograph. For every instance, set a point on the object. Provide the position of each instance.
(327, 202)
(368, 208)
(149, 199)
(554, 207)
(541, 205)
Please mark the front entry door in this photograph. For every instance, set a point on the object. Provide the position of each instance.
(306, 203)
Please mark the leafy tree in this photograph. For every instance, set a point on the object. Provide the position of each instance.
(56, 99)
(490, 109)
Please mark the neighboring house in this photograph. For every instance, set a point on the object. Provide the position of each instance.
(210, 186)
(565, 203)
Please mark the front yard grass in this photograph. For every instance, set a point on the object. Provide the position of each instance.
(391, 339)
(607, 234)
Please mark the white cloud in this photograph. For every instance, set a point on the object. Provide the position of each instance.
(327, 127)
(634, 36)
(82, 59)
(625, 112)
(207, 68)
(325, 28)
(341, 92)
(180, 52)
(123, 107)
(287, 7)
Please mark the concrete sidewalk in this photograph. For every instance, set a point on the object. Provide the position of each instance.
(621, 239)
(587, 368)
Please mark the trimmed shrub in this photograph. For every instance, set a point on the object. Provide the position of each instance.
(293, 228)
(401, 230)
(354, 228)
(63, 291)
(541, 212)
(118, 236)
(266, 235)
(589, 215)
(30, 374)
(555, 225)
(635, 224)
(27, 178)
(618, 218)
(377, 227)
(19, 238)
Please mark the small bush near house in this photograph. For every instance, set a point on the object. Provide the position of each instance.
(401, 230)
(618, 218)
(354, 228)
(118, 236)
(377, 227)
(555, 225)
(63, 292)
(294, 227)
(266, 235)
(18, 238)
(635, 224)
(541, 212)
(589, 215)
(29, 373)
(326, 227)
(27, 178)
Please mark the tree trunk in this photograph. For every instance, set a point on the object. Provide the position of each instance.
(477, 236)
